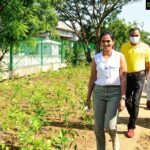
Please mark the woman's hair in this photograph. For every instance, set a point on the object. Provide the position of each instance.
(107, 33)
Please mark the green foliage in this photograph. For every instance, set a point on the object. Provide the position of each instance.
(4, 147)
(121, 30)
(61, 142)
(69, 55)
(20, 20)
(75, 52)
(145, 37)
(88, 16)
(32, 108)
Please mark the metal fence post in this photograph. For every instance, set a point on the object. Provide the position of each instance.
(62, 51)
(41, 52)
(11, 58)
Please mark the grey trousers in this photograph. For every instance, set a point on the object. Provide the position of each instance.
(105, 104)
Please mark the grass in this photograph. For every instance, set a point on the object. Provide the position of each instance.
(43, 110)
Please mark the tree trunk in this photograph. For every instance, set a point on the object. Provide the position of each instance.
(88, 55)
(98, 39)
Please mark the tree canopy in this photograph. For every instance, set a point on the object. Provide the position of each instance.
(121, 32)
(21, 19)
(89, 15)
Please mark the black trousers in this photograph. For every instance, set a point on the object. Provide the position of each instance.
(133, 94)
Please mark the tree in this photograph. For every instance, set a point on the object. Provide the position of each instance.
(121, 30)
(89, 15)
(145, 37)
(22, 19)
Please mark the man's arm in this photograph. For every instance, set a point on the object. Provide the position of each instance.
(147, 66)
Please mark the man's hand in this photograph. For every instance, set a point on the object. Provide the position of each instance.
(148, 104)
(121, 105)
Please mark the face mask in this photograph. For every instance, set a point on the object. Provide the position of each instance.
(134, 40)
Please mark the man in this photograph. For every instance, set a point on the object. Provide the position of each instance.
(137, 56)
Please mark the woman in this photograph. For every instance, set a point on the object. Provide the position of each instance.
(108, 84)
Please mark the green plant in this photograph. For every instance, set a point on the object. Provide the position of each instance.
(61, 142)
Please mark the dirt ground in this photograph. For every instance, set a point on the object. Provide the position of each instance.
(141, 140)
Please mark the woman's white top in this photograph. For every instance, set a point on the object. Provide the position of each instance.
(108, 70)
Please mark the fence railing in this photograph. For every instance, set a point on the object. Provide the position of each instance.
(39, 52)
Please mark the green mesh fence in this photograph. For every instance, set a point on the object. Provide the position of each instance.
(78, 47)
(41, 51)
(36, 52)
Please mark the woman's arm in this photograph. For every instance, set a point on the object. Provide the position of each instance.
(123, 80)
(91, 84)
(123, 75)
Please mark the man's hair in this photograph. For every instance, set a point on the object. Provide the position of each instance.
(133, 29)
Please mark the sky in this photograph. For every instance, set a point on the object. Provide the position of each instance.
(137, 12)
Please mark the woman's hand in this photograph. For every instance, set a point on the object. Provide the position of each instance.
(121, 105)
(87, 106)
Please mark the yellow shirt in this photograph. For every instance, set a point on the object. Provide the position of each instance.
(136, 56)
